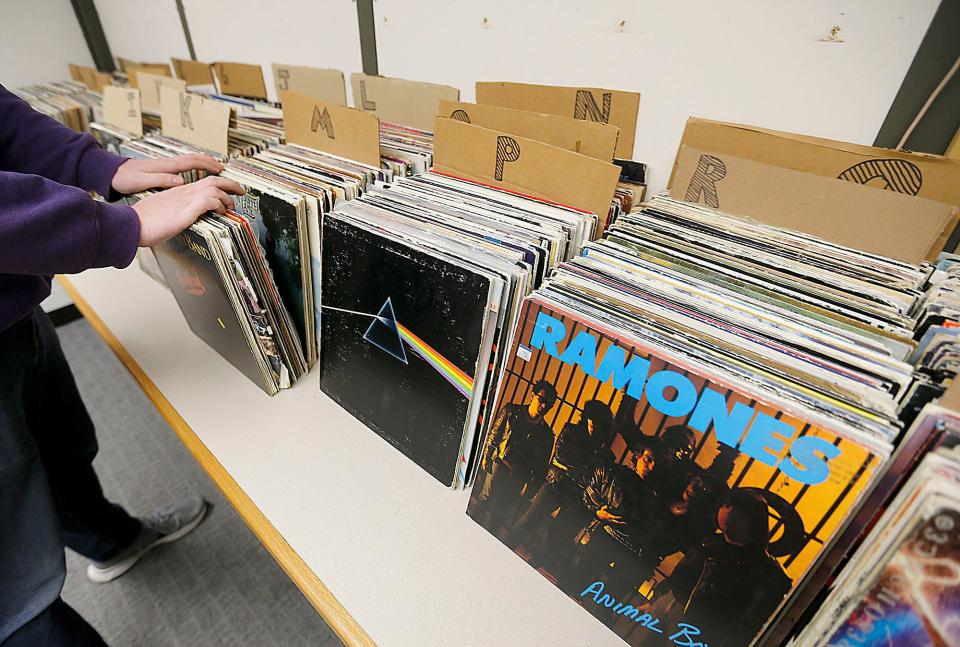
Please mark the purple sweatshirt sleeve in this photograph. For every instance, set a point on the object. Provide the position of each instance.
(47, 228)
(35, 144)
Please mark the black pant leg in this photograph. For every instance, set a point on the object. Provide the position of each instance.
(91, 525)
(504, 495)
(57, 626)
(32, 567)
(535, 521)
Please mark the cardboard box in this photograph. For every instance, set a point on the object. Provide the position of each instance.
(192, 72)
(927, 176)
(132, 67)
(90, 77)
(326, 85)
(526, 166)
(904, 227)
(241, 80)
(589, 138)
(399, 101)
(592, 104)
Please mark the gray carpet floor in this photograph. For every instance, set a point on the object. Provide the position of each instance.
(216, 586)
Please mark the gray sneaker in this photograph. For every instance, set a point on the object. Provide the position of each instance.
(158, 528)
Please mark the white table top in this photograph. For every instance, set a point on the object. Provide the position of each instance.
(393, 546)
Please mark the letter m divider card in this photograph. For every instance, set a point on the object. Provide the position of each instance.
(194, 119)
(526, 166)
(346, 132)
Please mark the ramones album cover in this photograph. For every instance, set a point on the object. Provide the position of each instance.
(401, 339)
(672, 507)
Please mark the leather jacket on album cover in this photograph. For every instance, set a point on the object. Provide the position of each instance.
(623, 493)
(576, 455)
(520, 442)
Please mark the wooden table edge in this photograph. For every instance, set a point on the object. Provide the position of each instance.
(342, 623)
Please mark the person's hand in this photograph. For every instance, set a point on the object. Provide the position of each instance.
(165, 214)
(604, 514)
(140, 175)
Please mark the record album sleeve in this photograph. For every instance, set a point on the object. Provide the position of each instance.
(669, 503)
(191, 273)
(402, 332)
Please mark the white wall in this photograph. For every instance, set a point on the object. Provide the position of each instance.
(146, 31)
(751, 61)
(38, 40)
(760, 62)
(298, 32)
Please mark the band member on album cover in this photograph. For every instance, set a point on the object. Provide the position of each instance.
(679, 445)
(689, 519)
(614, 546)
(580, 448)
(729, 585)
(517, 451)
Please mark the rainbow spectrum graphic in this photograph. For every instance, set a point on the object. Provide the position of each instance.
(392, 337)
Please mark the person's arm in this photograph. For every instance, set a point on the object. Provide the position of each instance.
(593, 495)
(47, 228)
(33, 143)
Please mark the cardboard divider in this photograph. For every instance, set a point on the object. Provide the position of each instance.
(240, 80)
(193, 72)
(525, 165)
(121, 108)
(95, 80)
(193, 119)
(150, 84)
(904, 227)
(327, 85)
(913, 174)
(588, 138)
(132, 67)
(615, 107)
(331, 128)
(400, 101)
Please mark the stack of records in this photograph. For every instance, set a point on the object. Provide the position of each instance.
(289, 190)
(246, 137)
(222, 282)
(690, 415)
(631, 188)
(159, 147)
(408, 150)
(260, 111)
(422, 281)
(68, 102)
(902, 587)
(112, 138)
(938, 345)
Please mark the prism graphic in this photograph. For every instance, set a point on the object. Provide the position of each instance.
(384, 334)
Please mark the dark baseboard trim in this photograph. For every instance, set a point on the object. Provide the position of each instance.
(64, 315)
